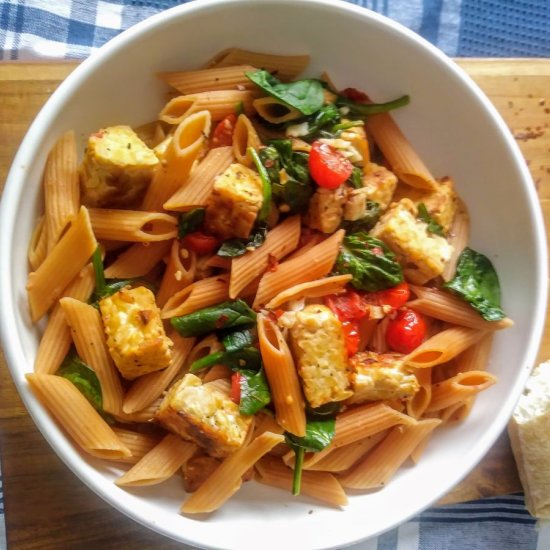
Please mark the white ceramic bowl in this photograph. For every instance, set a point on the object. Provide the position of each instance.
(454, 128)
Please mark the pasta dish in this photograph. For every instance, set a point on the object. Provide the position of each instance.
(265, 282)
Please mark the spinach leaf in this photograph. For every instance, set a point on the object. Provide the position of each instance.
(476, 282)
(225, 315)
(356, 178)
(238, 339)
(326, 116)
(337, 128)
(266, 187)
(245, 358)
(237, 247)
(370, 262)
(367, 222)
(365, 109)
(433, 226)
(271, 160)
(304, 95)
(190, 221)
(255, 394)
(295, 194)
(319, 434)
(84, 378)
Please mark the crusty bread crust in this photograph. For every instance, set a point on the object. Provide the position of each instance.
(529, 431)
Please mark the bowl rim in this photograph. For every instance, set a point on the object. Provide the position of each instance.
(31, 143)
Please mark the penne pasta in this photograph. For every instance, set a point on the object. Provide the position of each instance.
(75, 415)
(459, 235)
(380, 465)
(132, 225)
(137, 260)
(282, 377)
(87, 332)
(275, 111)
(201, 294)
(138, 443)
(227, 478)
(279, 242)
(195, 192)
(443, 347)
(459, 388)
(313, 264)
(179, 273)
(418, 403)
(68, 257)
(38, 247)
(160, 463)
(245, 136)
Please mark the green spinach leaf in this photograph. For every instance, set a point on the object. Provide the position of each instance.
(255, 394)
(366, 109)
(476, 282)
(304, 95)
(222, 316)
(319, 434)
(371, 263)
(190, 221)
(328, 115)
(433, 226)
(266, 187)
(367, 222)
(237, 247)
(356, 178)
(239, 339)
(244, 358)
(84, 378)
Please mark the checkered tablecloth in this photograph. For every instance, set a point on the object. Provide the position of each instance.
(46, 29)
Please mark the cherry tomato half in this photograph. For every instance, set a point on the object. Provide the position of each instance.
(406, 332)
(395, 297)
(327, 166)
(355, 95)
(235, 394)
(351, 336)
(202, 244)
(348, 306)
(223, 133)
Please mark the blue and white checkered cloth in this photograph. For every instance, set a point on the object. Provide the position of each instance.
(54, 29)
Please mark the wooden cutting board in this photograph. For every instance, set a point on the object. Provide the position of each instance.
(46, 506)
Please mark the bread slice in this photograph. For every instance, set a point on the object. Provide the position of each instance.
(529, 431)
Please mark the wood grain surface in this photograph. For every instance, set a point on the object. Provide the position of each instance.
(46, 506)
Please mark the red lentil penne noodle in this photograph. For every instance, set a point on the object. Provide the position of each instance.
(379, 466)
(137, 260)
(443, 347)
(459, 388)
(144, 416)
(343, 458)
(160, 463)
(282, 377)
(227, 478)
(132, 225)
(459, 236)
(218, 103)
(457, 412)
(205, 80)
(271, 109)
(201, 294)
(38, 247)
(179, 272)
(367, 328)
(286, 67)
(146, 389)
(314, 264)
(279, 242)
(87, 331)
(61, 187)
(417, 404)
(397, 150)
(378, 339)
(217, 372)
(312, 289)
(77, 417)
(244, 136)
(475, 357)
(182, 150)
(138, 443)
(71, 253)
(322, 486)
(451, 309)
(56, 340)
(152, 133)
(195, 191)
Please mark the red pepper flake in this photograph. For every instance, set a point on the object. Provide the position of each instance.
(220, 323)
(272, 263)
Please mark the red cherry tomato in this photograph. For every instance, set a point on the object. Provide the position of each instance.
(406, 332)
(202, 244)
(236, 388)
(395, 297)
(355, 95)
(348, 306)
(351, 336)
(327, 166)
(223, 133)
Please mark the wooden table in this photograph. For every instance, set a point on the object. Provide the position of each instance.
(46, 506)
